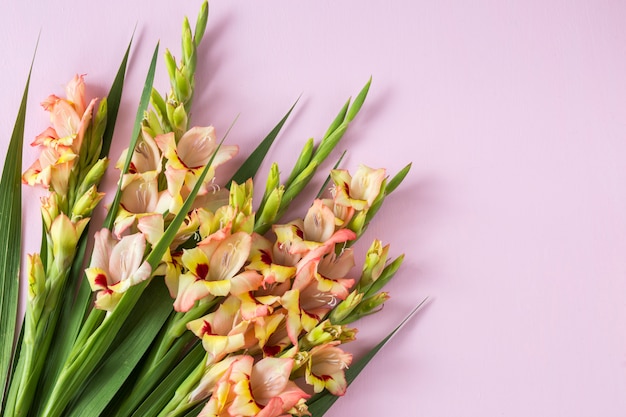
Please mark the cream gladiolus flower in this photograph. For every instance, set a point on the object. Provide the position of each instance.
(116, 265)
(358, 191)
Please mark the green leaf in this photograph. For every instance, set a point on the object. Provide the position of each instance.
(161, 395)
(10, 234)
(138, 332)
(321, 403)
(250, 167)
(323, 187)
(114, 99)
(397, 179)
(358, 101)
(143, 105)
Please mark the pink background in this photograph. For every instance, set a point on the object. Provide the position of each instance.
(513, 218)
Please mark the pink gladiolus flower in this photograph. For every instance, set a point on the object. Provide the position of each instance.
(63, 140)
(262, 389)
(224, 331)
(187, 158)
(146, 156)
(52, 169)
(69, 117)
(116, 265)
(214, 267)
(326, 368)
(358, 191)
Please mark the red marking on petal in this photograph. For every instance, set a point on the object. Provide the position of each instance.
(271, 350)
(266, 258)
(202, 271)
(101, 281)
(206, 329)
(299, 233)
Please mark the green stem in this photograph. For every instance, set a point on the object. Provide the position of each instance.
(179, 403)
(38, 334)
(164, 355)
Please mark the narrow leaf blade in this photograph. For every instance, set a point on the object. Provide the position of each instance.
(141, 109)
(320, 404)
(250, 167)
(10, 234)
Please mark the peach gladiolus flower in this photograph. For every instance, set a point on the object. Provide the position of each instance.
(52, 169)
(187, 158)
(326, 368)
(358, 191)
(69, 117)
(248, 389)
(116, 265)
(214, 268)
(63, 140)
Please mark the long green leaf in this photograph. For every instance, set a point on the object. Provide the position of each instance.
(250, 167)
(141, 109)
(134, 338)
(321, 403)
(10, 234)
(73, 311)
(166, 389)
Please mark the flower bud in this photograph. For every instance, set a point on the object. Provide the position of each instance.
(346, 307)
(179, 118)
(357, 223)
(36, 280)
(203, 17)
(323, 333)
(170, 64)
(49, 209)
(375, 260)
(64, 237)
(188, 45)
(153, 122)
(368, 306)
(270, 210)
(93, 177)
(273, 181)
(182, 86)
(241, 197)
(99, 126)
(86, 203)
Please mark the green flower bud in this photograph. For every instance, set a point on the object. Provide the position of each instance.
(267, 217)
(36, 280)
(94, 176)
(189, 48)
(86, 203)
(303, 160)
(241, 197)
(170, 65)
(179, 118)
(153, 123)
(368, 306)
(374, 264)
(357, 223)
(64, 236)
(346, 307)
(273, 181)
(324, 332)
(182, 86)
(49, 209)
(203, 17)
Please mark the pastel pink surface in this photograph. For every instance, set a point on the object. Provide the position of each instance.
(513, 218)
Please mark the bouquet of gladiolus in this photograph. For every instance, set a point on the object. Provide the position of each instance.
(195, 299)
